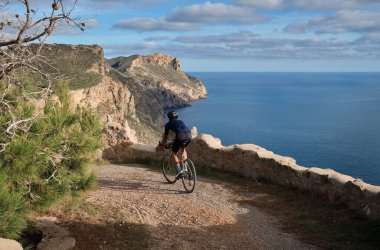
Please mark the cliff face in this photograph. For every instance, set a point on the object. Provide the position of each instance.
(162, 76)
(130, 96)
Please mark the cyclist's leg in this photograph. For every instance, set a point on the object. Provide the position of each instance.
(175, 149)
(176, 159)
(186, 139)
(184, 153)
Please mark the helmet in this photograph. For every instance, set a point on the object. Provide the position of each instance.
(172, 115)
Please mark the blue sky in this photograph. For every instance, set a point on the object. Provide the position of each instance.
(235, 35)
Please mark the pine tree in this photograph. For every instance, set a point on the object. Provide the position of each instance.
(48, 160)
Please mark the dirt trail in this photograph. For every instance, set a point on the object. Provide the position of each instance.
(212, 217)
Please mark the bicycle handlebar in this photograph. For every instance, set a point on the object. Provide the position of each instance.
(168, 144)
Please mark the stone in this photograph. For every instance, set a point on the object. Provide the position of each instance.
(194, 132)
(6, 244)
(54, 235)
(210, 141)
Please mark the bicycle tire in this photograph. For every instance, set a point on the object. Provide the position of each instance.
(169, 169)
(189, 178)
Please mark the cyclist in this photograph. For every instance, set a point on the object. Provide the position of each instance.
(182, 138)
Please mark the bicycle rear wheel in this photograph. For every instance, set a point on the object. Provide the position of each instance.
(189, 176)
(169, 169)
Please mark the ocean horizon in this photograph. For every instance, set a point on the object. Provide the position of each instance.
(321, 119)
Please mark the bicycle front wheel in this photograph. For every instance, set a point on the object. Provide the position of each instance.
(189, 176)
(169, 169)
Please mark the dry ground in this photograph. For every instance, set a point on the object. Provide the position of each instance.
(134, 208)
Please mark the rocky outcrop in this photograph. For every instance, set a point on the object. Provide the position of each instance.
(163, 76)
(114, 103)
(253, 161)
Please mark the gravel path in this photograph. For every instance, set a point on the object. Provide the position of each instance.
(209, 218)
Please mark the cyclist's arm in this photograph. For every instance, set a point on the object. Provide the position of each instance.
(165, 135)
(164, 139)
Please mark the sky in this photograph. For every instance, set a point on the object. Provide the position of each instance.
(235, 35)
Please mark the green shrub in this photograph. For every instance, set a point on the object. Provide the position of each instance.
(48, 161)
(12, 211)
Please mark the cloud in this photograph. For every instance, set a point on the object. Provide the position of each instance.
(238, 37)
(268, 4)
(63, 28)
(255, 47)
(105, 4)
(157, 38)
(191, 18)
(214, 13)
(153, 24)
(91, 23)
(129, 3)
(308, 4)
(344, 21)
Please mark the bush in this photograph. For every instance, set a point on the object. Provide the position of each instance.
(47, 161)
(12, 211)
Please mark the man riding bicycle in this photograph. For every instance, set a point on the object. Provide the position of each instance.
(182, 138)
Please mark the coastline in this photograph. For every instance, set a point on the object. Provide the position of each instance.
(327, 120)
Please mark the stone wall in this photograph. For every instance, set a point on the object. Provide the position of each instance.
(253, 161)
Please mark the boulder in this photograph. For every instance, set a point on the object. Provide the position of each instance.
(6, 244)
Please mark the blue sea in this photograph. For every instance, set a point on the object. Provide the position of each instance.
(327, 120)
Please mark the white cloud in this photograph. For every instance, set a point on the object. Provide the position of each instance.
(213, 13)
(309, 4)
(91, 23)
(269, 4)
(273, 48)
(105, 4)
(157, 38)
(153, 24)
(192, 17)
(344, 21)
(238, 37)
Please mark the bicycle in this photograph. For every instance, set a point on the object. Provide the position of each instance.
(169, 169)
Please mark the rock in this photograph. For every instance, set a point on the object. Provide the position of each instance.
(210, 141)
(6, 244)
(176, 64)
(194, 132)
(162, 76)
(54, 236)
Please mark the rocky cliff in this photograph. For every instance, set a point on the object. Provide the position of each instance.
(129, 96)
(162, 76)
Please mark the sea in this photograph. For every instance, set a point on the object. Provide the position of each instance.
(326, 120)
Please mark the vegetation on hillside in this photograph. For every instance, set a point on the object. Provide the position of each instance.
(71, 63)
(45, 145)
(151, 72)
(122, 63)
(46, 162)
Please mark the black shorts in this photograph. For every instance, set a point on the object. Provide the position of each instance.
(182, 139)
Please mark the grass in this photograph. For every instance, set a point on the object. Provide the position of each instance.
(71, 64)
(121, 62)
(152, 72)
